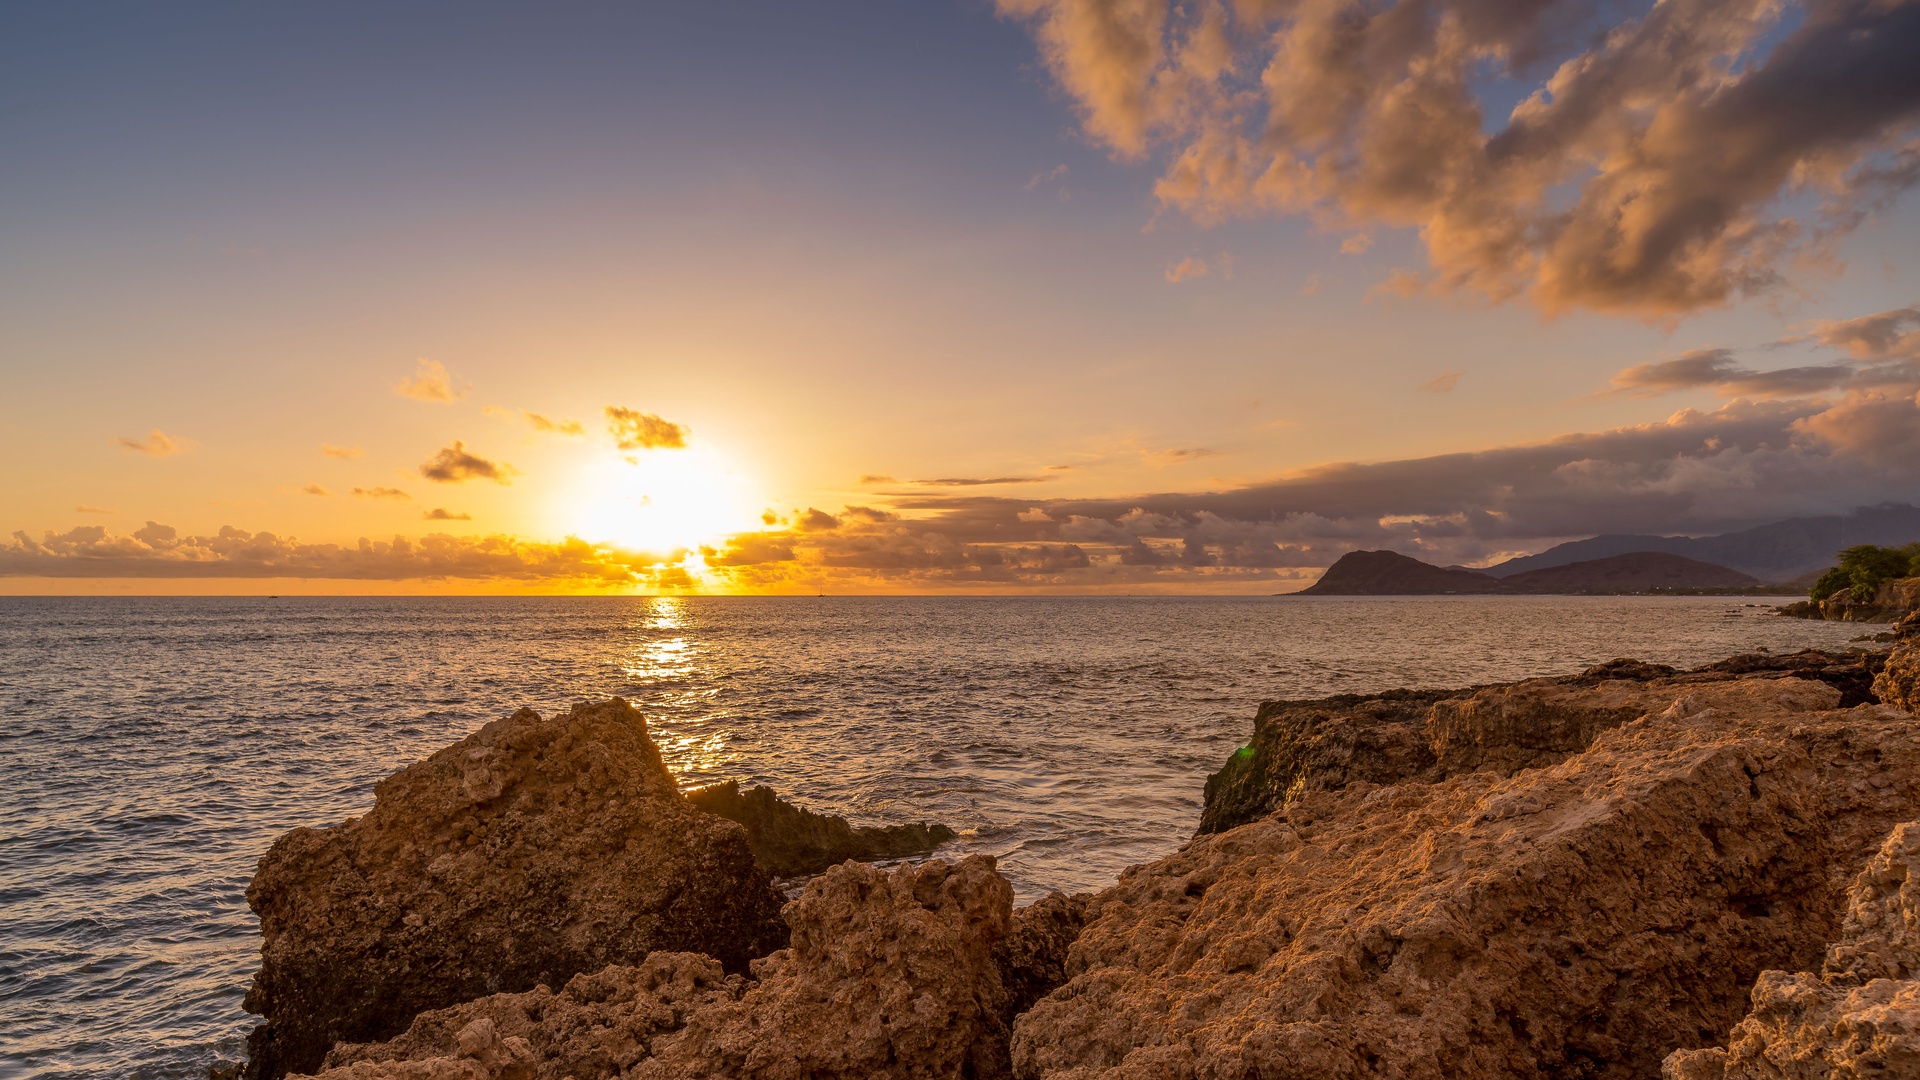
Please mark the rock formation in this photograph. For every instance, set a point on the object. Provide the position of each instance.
(1427, 735)
(1860, 1017)
(1898, 684)
(1033, 958)
(1579, 917)
(791, 842)
(527, 853)
(890, 975)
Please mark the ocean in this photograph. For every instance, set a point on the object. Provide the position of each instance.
(152, 749)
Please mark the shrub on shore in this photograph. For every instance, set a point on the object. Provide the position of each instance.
(1864, 568)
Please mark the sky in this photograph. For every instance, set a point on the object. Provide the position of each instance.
(959, 296)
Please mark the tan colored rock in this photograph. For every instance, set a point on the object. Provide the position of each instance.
(1578, 919)
(791, 841)
(598, 1025)
(527, 853)
(1033, 956)
(1861, 1016)
(891, 975)
(1898, 684)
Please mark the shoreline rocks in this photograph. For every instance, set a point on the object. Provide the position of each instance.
(529, 852)
(790, 842)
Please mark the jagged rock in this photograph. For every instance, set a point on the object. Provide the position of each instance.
(1578, 919)
(1427, 735)
(891, 975)
(529, 852)
(1033, 957)
(1861, 1016)
(1898, 684)
(599, 1025)
(791, 842)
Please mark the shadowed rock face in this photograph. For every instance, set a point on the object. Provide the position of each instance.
(1427, 735)
(1860, 1017)
(1580, 918)
(527, 853)
(1898, 684)
(1033, 957)
(891, 975)
(791, 842)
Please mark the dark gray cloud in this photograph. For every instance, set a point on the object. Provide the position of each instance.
(453, 465)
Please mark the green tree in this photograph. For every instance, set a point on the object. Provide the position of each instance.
(1865, 567)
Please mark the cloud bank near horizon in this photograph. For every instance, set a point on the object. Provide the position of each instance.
(1670, 157)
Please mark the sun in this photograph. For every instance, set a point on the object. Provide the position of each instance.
(661, 501)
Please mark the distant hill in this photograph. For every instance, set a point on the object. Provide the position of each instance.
(1389, 573)
(1777, 552)
(1638, 571)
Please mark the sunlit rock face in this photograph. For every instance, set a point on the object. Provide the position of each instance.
(527, 853)
(1860, 1016)
(891, 975)
(1899, 683)
(1579, 917)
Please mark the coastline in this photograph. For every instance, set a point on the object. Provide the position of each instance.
(1418, 794)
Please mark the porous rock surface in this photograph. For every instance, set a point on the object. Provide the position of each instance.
(790, 841)
(1428, 735)
(890, 975)
(1898, 683)
(1565, 911)
(1860, 1016)
(531, 851)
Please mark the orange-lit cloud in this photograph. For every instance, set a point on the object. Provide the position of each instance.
(85, 509)
(635, 430)
(381, 493)
(1189, 267)
(440, 513)
(316, 489)
(1643, 175)
(343, 452)
(541, 423)
(157, 444)
(1442, 383)
(454, 465)
(430, 382)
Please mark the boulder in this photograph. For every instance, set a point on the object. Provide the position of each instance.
(1033, 957)
(793, 842)
(890, 975)
(531, 851)
(1898, 683)
(1427, 735)
(1579, 918)
(1860, 1016)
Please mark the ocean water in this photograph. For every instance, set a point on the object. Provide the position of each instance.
(151, 749)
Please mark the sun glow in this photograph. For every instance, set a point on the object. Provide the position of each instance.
(661, 501)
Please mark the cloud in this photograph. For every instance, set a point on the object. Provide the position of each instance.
(1313, 286)
(980, 481)
(1058, 172)
(439, 513)
(1189, 267)
(316, 489)
(1645, 174)
(381, 493)
(1185, 453)
(1357, 244)
(85, 509)
(538, 422)
(634, 430)
(1442, 383)
(1718, 370)
(343, 452)
(877, 478)
(453, 465)
(430, 382)
(159, 551)
(157, 444)
(1887, 335)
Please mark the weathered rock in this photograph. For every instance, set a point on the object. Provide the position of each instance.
(891, 975)
(1893, 601)
(1578, 919)
(1427, 735)
(1898, 684)
(1860, 1017)
(791, 842)
(1033, 957)
(599, 1025)
(529, 852)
